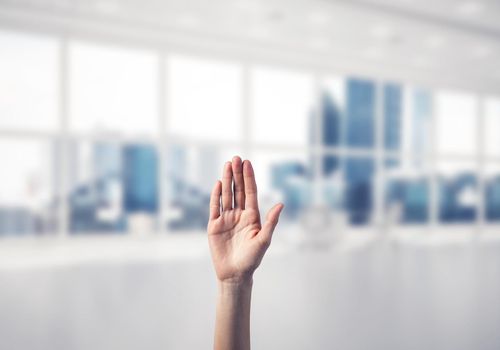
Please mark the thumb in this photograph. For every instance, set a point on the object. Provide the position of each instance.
(272, 217)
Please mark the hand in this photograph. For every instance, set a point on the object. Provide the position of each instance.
(237, 240)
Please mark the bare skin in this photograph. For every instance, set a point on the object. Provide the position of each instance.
(238, 242)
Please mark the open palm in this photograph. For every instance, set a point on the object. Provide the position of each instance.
(236, 237)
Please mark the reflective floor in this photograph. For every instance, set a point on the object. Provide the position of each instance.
(378, 295)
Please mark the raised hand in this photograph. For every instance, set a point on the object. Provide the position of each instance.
(236, 237)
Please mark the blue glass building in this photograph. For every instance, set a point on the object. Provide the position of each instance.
(140, 178)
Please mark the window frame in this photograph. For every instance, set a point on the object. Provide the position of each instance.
(63, 134)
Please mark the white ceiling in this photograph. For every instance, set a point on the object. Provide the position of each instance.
(457, 39)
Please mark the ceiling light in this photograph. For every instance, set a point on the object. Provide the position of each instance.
(470, 8)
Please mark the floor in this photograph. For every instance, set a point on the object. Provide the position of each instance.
(378, 294)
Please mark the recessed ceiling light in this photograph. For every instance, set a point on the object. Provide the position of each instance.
(318, 18)
(470, 8)
(434, 41)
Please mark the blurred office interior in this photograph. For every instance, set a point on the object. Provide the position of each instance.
(376, 123)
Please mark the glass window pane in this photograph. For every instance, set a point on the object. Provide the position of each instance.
(113, 187)
(113, 89)
(284, 177)
(332, 113)
(457, 191)
(203, 95)
(407, 191)
(347, 190)
(191, 174)
(456, 123)
(492, 126)
(29, 82)
(492, 192)
(393, 110)
(360, 112)
(416, 122)
(28, 202)
(281, 106)
(359, 176)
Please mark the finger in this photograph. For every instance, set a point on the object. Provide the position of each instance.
(272, 217)
(250, 186)
(227, 191)
(215, 201)
(239, 187)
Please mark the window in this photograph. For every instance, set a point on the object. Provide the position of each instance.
(359, 176)
(284, 177)
(416, 122)
(282, 106)
(492, 192)
(113, 89)
(458, 191)
(191, 172)
(29, 83)
(456, 118)
(360, 110)
(313, 142)
(113, 187)
(332, 110)
(492, 127)
(407, 191)
(205, 99)
(28, 201)
(393, 110)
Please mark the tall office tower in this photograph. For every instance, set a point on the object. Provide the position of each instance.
(291, 178)
(422, 114)
(140, 179)
(107, 159)
(359, 172)
(95, 202)
(492, 198)
(331, 132)
(176, 169)
(392, 117)
(457, 198)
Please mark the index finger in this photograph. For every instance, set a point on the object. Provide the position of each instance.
(250, 186)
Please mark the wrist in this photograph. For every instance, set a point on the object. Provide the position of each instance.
(235, 285)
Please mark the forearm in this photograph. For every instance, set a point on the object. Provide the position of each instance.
(232, 329)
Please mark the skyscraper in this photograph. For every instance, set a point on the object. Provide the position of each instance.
(140, 178)
(360, 133)
(392, 117)
(331, 132)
